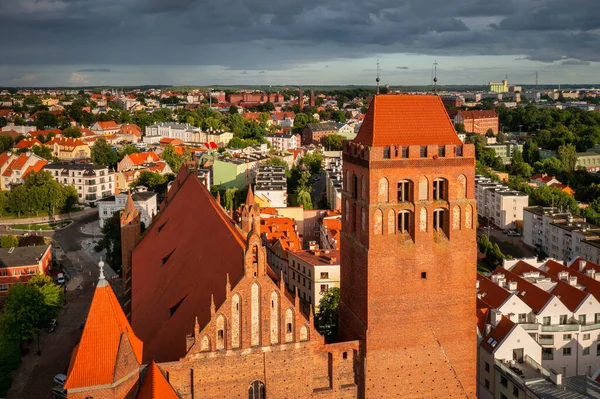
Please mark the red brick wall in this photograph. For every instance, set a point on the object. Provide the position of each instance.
(419, 334)
(130, 235)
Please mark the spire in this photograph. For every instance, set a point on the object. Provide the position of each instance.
(435, 79)
(101, 280)
(219, 197)
(129, 205)
(377, 78)
(250, 196)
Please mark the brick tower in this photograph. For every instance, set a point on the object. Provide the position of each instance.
(408, 251)
(250, 213)
(301, 99)
(131, 230)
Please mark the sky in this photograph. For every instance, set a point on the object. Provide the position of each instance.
(292, 42)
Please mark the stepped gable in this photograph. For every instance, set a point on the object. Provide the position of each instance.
(183, 258)
(407, 120)
(155, 385)
(106, 342)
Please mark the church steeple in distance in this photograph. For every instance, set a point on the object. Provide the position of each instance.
(377, 78)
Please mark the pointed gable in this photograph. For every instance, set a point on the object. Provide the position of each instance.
(104, 338)
(407, 120)
(155, 385)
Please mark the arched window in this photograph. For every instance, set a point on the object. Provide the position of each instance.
(348, 180)
(456, 218)
(439, 220)
(363, 187)
(274, 318)
(469, 217)
(354, 187)
(347, 211)
(462, 187)
(255, 310)
(378, 222)
(423, 220)
(256, 390)
(383, 190)
(303, 333)
(220, 339)
(404, 221)
(391, 222)
(423, 189)
(363, 219)
(289, 325)
(205, 344)
(404, 190)
(235, 321)
(440, 189)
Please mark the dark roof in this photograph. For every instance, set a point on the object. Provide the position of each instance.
(74, 166)
(322, 127)
(22, 256)
(139, 196)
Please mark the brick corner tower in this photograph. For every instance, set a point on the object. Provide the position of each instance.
(408, 251)
(131, 231)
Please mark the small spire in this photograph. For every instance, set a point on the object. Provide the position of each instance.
(129, 205)
(219, 197)
(212, 305)
(250, 196)
(227, 284)
(377, 78)
(196, 328)
(101, 279)
(435, 79)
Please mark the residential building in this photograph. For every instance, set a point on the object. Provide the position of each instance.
(137, 160)
(144, 201)
(183, 132)
(346, 130)
(105, 128)
(283, 119)
(124, 179)
(15, 168)
(19, 264)
(590, 160)
(506, 150)
(330, 229)
(561, 235)
(502, 206)
(220, 137)
(333, 184)
(130, 132)
(92, 182)
(315, 133)
(453, 101)
(541, 180)
(27, 143)
(478, 122)
(270, 189)
(237, 171)
(69, 149)
(280, 236)
(501, 87)
(282, 141)
(313, 272)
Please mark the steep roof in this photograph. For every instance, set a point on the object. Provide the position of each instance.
(108, 125)
(27, 143)
(491, 293)
(480, 114)
(155, 385)
(183, 258)
(497, 334)
(141, 158)
(535, 297)
(94, 361)
(406, 120)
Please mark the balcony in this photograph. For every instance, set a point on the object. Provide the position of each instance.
(590, 327)
(562, 327)
(529, 326)
(546, 341)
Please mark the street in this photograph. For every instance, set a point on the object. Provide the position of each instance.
(34, 377)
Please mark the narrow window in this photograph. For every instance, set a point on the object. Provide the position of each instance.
(439, 216)
(403, 190)
(439, 189)
(403, 221)
(424, 275)
(345, 355)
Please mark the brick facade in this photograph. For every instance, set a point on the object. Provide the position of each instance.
(130, 235)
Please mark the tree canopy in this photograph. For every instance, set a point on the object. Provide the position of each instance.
(326, 321)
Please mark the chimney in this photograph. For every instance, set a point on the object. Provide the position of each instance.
(496, 317)
(477, 284)
(488, 329)
(582, 264)
(512, 285)
(591, 273)
(573, 280)
(563, 275)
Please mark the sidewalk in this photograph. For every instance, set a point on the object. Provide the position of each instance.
(45, 219)
(92, 229)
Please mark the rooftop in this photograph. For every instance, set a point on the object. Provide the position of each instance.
(22, 256)
(138, 196)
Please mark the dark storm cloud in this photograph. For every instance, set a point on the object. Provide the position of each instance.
(255, 34)
(98, 70)
(574, 62)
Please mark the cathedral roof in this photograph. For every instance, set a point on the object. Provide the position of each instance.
(406, 120)
(95, 358)
(183, 258)
(155, 385)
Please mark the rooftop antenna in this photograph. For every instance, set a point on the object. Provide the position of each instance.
(435, 64)
(536, 80)
(377, 78)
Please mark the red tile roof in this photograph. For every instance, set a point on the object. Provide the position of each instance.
(108, 125)
(94, 361)
(27, 143)
(491, 293)
(45, 133)
(196, 259)
(591, 285)
(66, 142)
(481, 114)
(131, 129)
(155, 385)
(497, 334)
(406, 120)
(141, 158)
(34, 168)
(535, 297)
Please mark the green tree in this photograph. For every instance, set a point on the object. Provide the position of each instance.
(172, 158)
(230, 197)
(40, 151)
(44, 120)
(73, 132)
(489, 133)
(568, 156)
(326, 320)
(23, 312)
(9, 241)
(531, 152)
(6, 143)
(313, 162)
(52, 295)
(233, 110)
(103, 154)
(151, 180)
(460, 127)
(111, 241)
(500, 137)
(275, 161)
(519, 167)
(334, 142)
(339, 116)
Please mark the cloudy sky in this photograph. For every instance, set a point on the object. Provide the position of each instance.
(303, 42)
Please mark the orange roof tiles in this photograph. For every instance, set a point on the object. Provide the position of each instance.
(406, 120)
(45, 133)
(155, 385)
(27, 143)
(34, 168)
(132, 129)
(198, 258)
(591, 285)
(535, 297)
(498, 334)
(108, 125)
(481, 114)
(66, 142)
(280, 229)
(491, 293)
(95, 359)
(141, 158)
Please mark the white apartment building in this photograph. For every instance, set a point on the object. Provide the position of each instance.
(538, 316)
(270, 189)
(156, 132)
(14, 168)
(92, 182)
(313, 272)
(333, 184)
(500, 205)
(283, 142)
(144, 201)
(560, 235)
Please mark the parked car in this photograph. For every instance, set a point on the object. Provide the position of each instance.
(52, 327)
(513, 233)
(60, 379)
(60, 278)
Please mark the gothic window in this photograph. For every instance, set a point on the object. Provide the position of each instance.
(391, 222)
(205, 344)
(220, 333)
(469, 217)
(363, 187)
(274, 318)
(423, 189)
(439, 220)
(256, 390)
(462, 187)
(440, 187)
(404, 222)
(347, 211)
(382, 192)
(354, 187)
(289, 325)
(456, 218)
(303, 333)
(363, 219)
(347, 182)
(235, 321)
(423, 220)
(255, 310)
(378, 222)
(404, 191)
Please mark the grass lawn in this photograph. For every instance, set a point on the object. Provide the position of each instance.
(44, 226)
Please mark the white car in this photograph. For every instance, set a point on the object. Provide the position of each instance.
(60, 278)
(60, 379)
